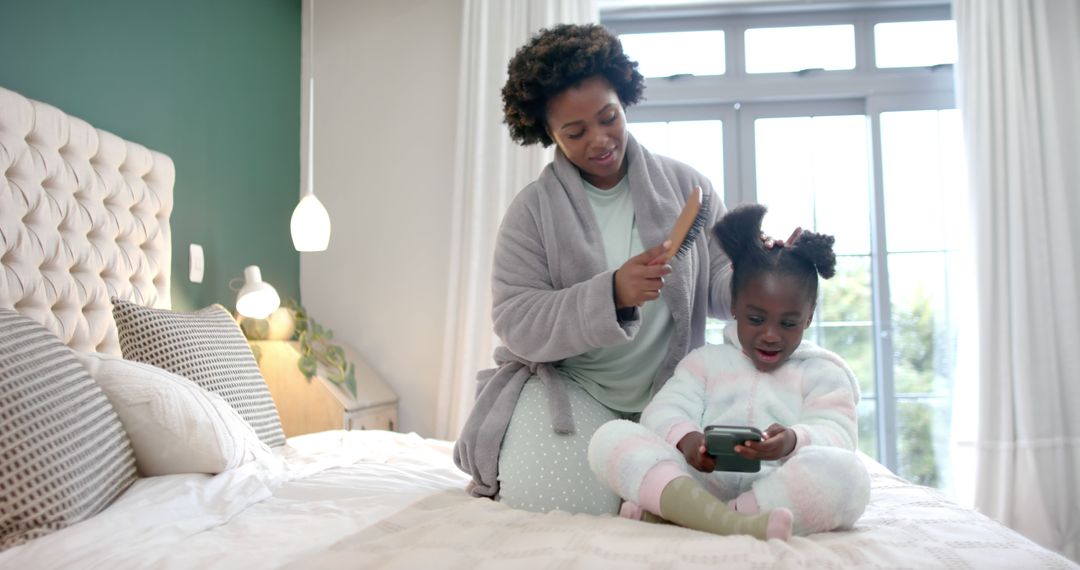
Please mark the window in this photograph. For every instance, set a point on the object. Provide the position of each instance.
(676, 53)
(922, 169)
(700, 143)
(915, 44)
(814, 47)
(841, 121)
(812, 171)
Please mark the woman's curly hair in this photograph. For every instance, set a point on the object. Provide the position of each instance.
(739, 232)
(554, 60)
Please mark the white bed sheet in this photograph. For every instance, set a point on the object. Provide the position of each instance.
(373, 499)
(317, 489)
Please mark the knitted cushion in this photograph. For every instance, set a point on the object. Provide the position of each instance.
(64, 455)
(206, 347)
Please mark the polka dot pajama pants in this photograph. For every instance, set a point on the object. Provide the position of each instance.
(540, 470)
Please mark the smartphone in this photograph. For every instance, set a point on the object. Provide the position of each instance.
(720, 442)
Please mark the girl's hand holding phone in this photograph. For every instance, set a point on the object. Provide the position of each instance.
(779, 441)
(692, 446)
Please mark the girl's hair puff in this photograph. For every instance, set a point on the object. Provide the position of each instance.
(739, 233)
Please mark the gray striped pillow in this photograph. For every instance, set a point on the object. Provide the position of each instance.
(64, 456)
(206, 347)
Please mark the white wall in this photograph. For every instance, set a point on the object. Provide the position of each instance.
(386, 75)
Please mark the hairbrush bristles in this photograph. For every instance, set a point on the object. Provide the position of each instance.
(688, 225)
(695, 228)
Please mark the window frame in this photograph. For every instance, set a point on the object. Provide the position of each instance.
(739, 98)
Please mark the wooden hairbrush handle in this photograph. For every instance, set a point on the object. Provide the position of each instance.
(683, 223)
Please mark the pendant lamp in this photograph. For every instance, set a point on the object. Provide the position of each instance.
(310, 224)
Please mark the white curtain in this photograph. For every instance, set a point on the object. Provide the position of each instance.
(1019, 83)
(490, 170)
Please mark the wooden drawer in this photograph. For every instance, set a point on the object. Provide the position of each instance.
(377, 417)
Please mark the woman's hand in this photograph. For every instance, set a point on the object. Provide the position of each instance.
(770, 243)
(692, 446)
(637, 282)
(779, 442)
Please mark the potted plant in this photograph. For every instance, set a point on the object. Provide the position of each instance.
(316, 346)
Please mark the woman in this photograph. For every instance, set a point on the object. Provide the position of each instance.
(587, 336)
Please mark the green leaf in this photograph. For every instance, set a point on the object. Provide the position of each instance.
(350, 380)
(255, 329)
(315, 348)
(308, 366)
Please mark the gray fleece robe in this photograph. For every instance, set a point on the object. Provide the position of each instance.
(553, 294)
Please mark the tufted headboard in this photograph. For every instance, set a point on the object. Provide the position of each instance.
(84, 216)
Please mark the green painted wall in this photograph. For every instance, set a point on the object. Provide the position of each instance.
(215, 84)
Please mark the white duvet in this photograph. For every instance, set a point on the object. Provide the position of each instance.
(372, 499)
(316, 490)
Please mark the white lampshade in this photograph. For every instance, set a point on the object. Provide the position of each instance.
(257, 298)
(310, 225)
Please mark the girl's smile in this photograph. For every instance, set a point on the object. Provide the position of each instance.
(771, 312)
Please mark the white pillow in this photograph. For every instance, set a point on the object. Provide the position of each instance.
(206, 347)
(174, 425)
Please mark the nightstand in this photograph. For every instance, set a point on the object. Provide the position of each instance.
(319, 404)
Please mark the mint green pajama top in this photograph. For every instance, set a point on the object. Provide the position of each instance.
(621, 377)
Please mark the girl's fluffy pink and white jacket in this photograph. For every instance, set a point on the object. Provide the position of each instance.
(814, 393)
(822, 481)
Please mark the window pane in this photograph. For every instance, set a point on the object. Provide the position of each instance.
(847, 296)
(673, 53)
(775, 50)
(714, 331)
(867, 411)
(855, 344)
(923, 323)
(924, 178)
(812, 172)
(914, 44)
(922, 440)
(697, 143)
(844, 318)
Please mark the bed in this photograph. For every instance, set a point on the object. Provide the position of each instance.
(84, 218)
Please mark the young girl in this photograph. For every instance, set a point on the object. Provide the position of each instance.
(768, 377)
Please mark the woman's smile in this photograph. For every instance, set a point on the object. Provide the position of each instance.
(605, 158)
(588, 124)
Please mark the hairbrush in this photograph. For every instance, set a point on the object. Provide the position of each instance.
(688, 225)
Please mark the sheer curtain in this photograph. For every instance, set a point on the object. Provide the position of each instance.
(1019, 83)
(490, 170)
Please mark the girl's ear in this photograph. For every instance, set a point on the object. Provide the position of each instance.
(810, 318)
